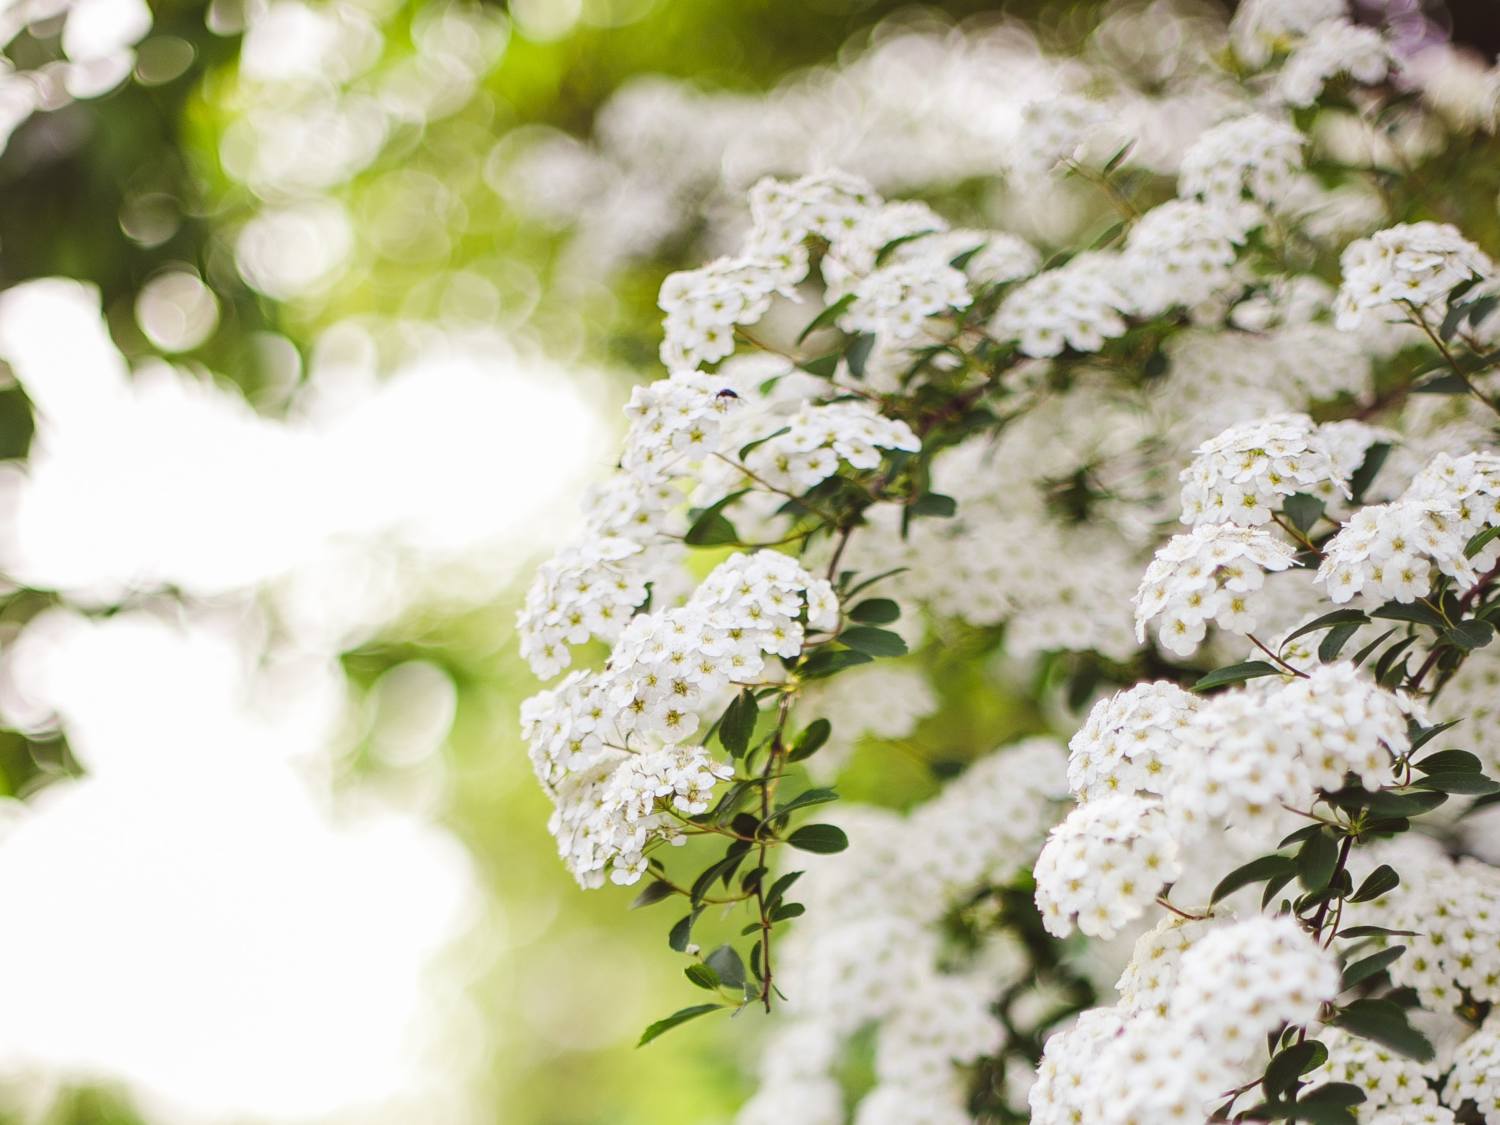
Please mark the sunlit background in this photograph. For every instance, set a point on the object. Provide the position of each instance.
(315, 318)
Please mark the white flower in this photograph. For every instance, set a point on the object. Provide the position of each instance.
(819, 438)
(1242, 475)
(1476, 1072)
(1262, 27)
(588, 590)
(1394, 551)
(1337, 47)
(1077, 305)
(1255, 156)
(1128, 741)
(1180, 253)
(1104, 864)
(1389, 1079)
(1405, 267)
(1345, 724)
(1208, 575)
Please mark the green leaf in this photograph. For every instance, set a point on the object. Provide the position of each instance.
(1469, 635)
(1365, 475)
(824, 839)
(876, 642)
(1423, 735)
(1316, 860)
(1450, 761)
(1303, 510)
(1291, 1064)
(1454, 781)
(858, 353)
(823, 366)
(1481, 541)
(1410, 802)
(1414, 612)
(806, 800)
(653, 892)
(810, 740)
(781, 886)
(1331, 645)
(727, 966)
(852, 590)
(1385, 1023)
(748, 446)
(702, 976)
(682, 932)
(1450, 383)
(827, 316)
(711, 529)
(1367, 967)
(738, 723)
(876, 611)
(788, 910)
(1374, 931)
(660, 1027)
(1235, 673)
(1364, 654)
(830, 661)
(1327, 621)
(1377, 883)
(934, 504)
(1342, 1094)
(1256, 871)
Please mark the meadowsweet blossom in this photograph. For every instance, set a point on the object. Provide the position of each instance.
(1128, 741)
(1078, 305)
(1407, 268)
(1253, 156)
(1207, 576)
(1242, 475)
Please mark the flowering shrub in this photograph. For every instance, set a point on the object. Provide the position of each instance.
(1223, 465)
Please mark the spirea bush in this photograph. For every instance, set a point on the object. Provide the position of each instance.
(1214, 484)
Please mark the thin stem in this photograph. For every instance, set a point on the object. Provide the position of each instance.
(769, 776)
(1447, 354)
(1293, 670)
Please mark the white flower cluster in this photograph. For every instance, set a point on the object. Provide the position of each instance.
(1404, 270)
(1476, 1073)
(870, 949)
(1254, 155)
(588, 590)
(1127, 743)
(608, 745)
(1078, 305)
(1133, 1066)
(1207, 576)
(1338, 47)
(1455, 910)
(1180, 254)
(1392, 551)
(1242, 475)
(1262, 28)
(1389, 1079)
(1103, 864)
(817, 438)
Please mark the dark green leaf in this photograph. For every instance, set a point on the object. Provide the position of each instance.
(823, 366)
(934, 504)
(1481, 540)
(1327, 621)
(1469, 635)
(1364, 654)
(1385, 1023)
(1333, 1094)
(827, 316)
(823, 839)
(830, 661)
(1303, 510)
(1316, 860)
(876, 611)
(1410, 611)
(682, 932)
(1377, 883)
(748, 446)
(1257, 870)
(1468, 784)
(1374, 931)
(1235, 673)
(1450, 383)
(702, 976)
(1450, 761)
(1367, 967)
(1331, 645)
(662, 1026)
(810, 740)
(858, 353)
(738, 723)
(857, 587)
(654, 892)
(788, 910)
(876, 642)
(1291, 1064)
(1421, 736)
(806, 800)
(1406, 803)
(726, 964)
(711, 529)
(1365, 475)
